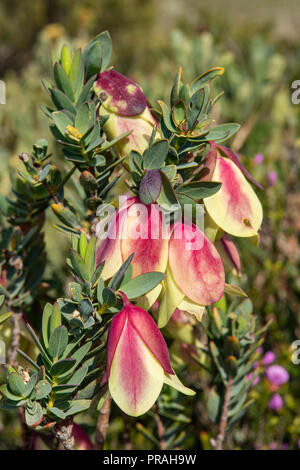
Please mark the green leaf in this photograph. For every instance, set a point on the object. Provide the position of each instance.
(84, 94)
(8, 394)
(90, 257)
(92, 57)
(85, 307)
(5, 316)
(42, 390)
(117, 278)
(142, 284)
(154, 156)
(213, 405)
(16, 384)
(65, 215)
(57, 412)
(29, 360)
(61, 101)
(106, 46)
(175, 89)
(109, 297)
(76, 290)
(62, 366)
(197, 105)
(55, 319)
(78, 355)
(61, 120)
(58, 342)
(199, 190)
(167, 117)
(77, 406)
(38, 344)
(30, 385)
(167, 198)
(83, 120)
(222, 132)
(33, 419)
(205, 77)
(79, 266)
(77, 73)
(62, 81)
(66, 59)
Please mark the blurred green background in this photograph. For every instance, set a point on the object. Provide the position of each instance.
(258, 43)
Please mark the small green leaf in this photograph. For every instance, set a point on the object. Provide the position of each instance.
(5, 316)
(30, 385)
(62, 366)
(58, 342)
(61, 101)
(199, 190)
(77, 406)
(16, 384)
(57, 412)
(65, 215)
(142, 284)
(154, 156)
(8, 394)
(33, 419)
(77, 73)
(167, 198)
(92, 57)
(62, 81)
(79, 266)
(55, 319)
(213, 405)
(42, 389)
(85, 308)
(61, 120)
(109, 297)
(205, 77)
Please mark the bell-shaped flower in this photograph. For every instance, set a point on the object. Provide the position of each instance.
(126, 105)
(138, 362)
(135, 228)
(195, 274)
(235, 208)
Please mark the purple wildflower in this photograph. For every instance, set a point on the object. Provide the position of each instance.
(258, 158)
(268, 358)
(276, 402)
(277, 375)
(272, 177)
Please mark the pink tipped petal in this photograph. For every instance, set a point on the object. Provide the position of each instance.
(196, 265)
(123, 95)
(136, 377)
(231, 256)
(115, 331)
(109, 249)
(142, 235)
(148, 331)
(235, 208)
(230, 154)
